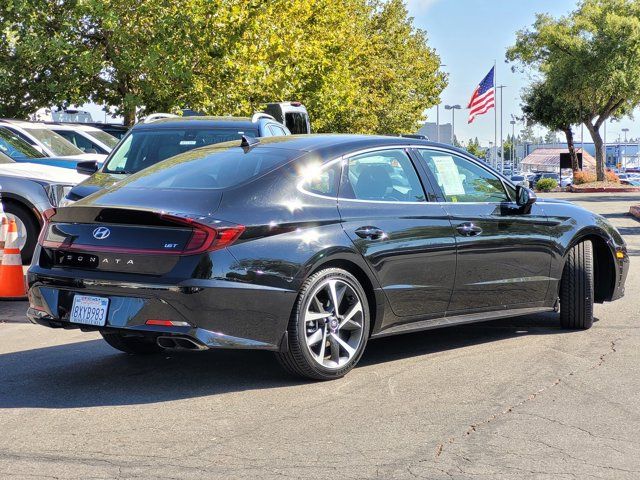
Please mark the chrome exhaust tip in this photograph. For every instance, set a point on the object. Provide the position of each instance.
(179, 343)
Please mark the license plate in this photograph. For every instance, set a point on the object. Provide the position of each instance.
(89, 310)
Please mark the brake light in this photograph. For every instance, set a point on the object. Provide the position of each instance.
(206, 238)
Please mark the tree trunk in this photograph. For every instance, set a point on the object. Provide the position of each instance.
(600, 153)
(129, 115)
(575, 166)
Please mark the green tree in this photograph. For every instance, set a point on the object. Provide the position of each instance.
(543, 105)
(474, 148)
(592, 57)
(358, 65)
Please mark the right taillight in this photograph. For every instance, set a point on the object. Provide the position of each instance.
(206, 238)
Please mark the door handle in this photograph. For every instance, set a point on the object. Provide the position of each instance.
(370, 232)
(469, 229)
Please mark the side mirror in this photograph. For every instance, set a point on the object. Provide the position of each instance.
(87, 168)
(525, 198)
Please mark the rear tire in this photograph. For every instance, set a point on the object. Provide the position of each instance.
(31, 227)
(324, 342)
(129, 344)
(576, 288)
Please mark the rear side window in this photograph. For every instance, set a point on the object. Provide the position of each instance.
(385, 175)
(79, 141)
(211, 169)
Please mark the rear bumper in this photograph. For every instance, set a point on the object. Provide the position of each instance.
(219, 313)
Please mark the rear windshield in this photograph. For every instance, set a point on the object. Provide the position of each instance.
(54, 142)
(15, 147)
(109, 140)
(209, 169)
(143, 148)
(296, 122)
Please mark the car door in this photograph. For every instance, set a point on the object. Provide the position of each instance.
(405, 237)
(503, 252)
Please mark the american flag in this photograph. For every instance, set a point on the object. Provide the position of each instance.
(483, 98)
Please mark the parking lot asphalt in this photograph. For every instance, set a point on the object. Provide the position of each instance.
(510, 399)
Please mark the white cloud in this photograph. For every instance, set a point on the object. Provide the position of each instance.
(420, 7)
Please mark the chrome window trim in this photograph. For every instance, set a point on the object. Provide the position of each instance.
(406, 148)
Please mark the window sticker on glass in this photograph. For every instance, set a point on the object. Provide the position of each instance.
(187, 142)
(448, 175)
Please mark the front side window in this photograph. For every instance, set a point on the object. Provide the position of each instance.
(461, 180)
(385, 175)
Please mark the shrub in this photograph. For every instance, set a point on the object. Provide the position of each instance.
(612, 177)
(546, 184)
(583, 176)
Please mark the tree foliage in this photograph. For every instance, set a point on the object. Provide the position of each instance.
(545, 106)
(358, 65)
(591, 57)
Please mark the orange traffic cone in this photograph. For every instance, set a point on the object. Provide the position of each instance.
(11, 276)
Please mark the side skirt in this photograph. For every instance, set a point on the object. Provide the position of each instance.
(458, 320)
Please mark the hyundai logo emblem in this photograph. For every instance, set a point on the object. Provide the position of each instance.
(101, 233)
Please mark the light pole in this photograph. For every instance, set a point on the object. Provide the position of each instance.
(513, 143)
(501, 87)
(624, 155)
(453, 109)
(438, 114)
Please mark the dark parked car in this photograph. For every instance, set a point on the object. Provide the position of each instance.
(309, 245)
(149, 143)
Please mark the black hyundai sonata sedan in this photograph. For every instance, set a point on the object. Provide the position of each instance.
(308, 246)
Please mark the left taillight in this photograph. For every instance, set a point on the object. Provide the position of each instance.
(206, 238)
(46, 216)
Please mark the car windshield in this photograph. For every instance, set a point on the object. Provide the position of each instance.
(54, 142)
(109, 140)
(15, 147)
(145, 147)
(212, 169)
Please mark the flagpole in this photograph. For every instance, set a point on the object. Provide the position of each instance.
(495, 118)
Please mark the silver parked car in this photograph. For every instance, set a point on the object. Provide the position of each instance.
(27, 191)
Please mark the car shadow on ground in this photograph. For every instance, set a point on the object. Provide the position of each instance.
(88, 374)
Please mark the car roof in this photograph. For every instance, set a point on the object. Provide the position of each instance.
(198, 122)
(328, 146)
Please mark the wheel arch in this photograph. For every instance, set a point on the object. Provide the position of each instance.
(18, 200)
(604, 269)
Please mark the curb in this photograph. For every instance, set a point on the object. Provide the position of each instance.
(603, 190)
(635, 211)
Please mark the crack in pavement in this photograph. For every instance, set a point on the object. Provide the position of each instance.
(474, 427)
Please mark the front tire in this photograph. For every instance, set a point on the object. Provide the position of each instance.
(130, 344)
(576, 288)
(328, 328)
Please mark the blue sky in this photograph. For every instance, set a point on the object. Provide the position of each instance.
(469, 35)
